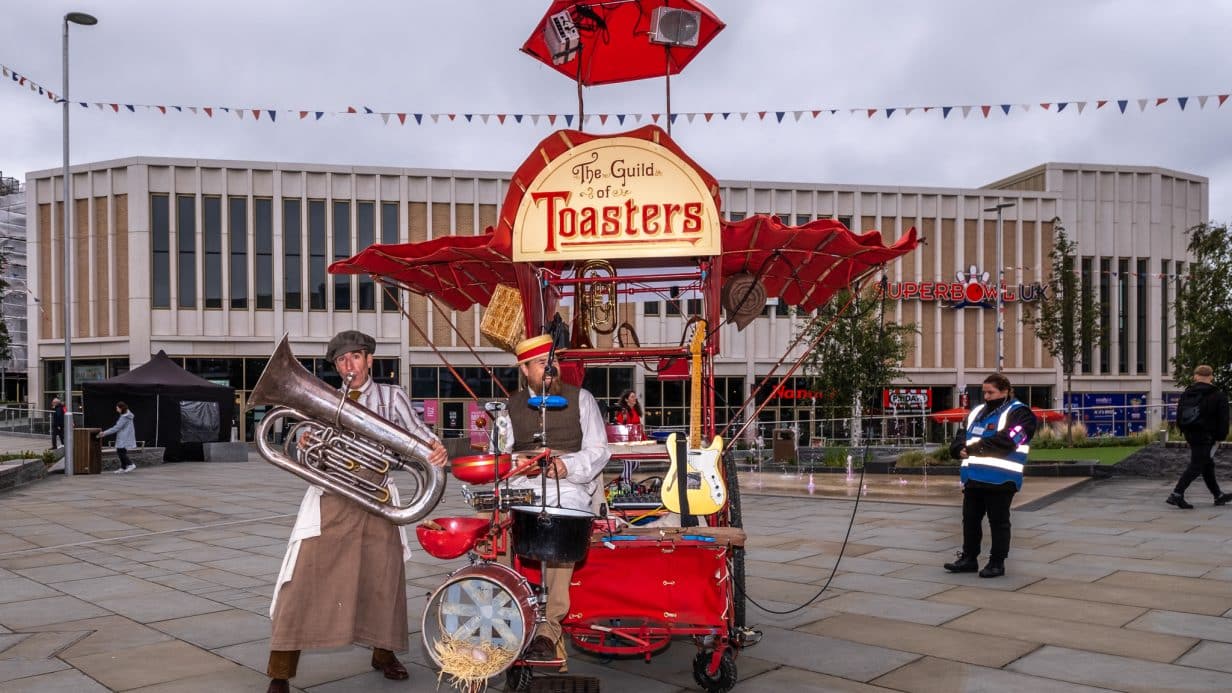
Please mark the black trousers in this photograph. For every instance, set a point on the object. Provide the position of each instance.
(125, 463)
(1200, 464)
(993, 501)
(57, 433)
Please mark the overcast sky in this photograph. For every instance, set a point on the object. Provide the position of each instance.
(462, 56)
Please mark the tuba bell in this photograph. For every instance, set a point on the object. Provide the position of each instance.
(331, 437)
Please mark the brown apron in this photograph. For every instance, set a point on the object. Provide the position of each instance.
(349, 584)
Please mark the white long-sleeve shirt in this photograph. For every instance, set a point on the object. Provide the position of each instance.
(579, 485)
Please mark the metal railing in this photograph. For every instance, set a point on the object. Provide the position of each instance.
(26, 421)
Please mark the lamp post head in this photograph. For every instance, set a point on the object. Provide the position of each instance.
(999, 207)
(81, 18)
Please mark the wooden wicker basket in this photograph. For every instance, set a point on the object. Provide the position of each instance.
(502, 321)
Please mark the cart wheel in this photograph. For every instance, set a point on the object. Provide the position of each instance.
(518, 678)
(723, 680)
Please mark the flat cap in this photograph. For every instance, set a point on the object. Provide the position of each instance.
(348, 341)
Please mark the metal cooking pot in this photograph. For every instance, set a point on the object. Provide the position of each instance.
(552, 535)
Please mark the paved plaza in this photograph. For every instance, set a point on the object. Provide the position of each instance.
(160, 580)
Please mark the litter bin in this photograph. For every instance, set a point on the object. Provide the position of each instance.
(87, 451)
(785, 446)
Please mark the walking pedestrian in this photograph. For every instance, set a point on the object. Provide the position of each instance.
(1202, 416)
(126, 437)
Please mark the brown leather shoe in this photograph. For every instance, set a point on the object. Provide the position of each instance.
(541, 650)
(391, 669)
(278, 686)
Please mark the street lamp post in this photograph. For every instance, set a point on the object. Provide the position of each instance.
(1000, 287)
(84, 20)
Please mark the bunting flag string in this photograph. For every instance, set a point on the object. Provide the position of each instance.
(778, 117)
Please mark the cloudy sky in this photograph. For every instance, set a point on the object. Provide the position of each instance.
(462, 56)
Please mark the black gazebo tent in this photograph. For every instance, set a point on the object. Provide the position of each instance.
(173, 408)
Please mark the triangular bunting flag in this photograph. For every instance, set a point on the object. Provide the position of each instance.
(368, 110)
(966, 111)
(484, 118)
(351, 109)
(586, 119)
(84, 104)
(272, 114)
(743, 115)
(319, 114)
(569, 119)
(1005, 109)
(761, 115)
(162, 109)
(603, 119)
(816, 113)
(690, 116)
(1201, 102)
(1080, 105)
(672, 118)
(726, 115)
(209, 111)
(99, 104)
(256, 114)
(1181, 101)
(517, 117)
(654, 117)
(707, 116)
(985, 110)
(385, 118)
(889, 112)
(239, 112)
(1061, 105)
(871, 112)
(945, 111)
(115, 107)
(1121, 104)
(1046, 106)
(468, 116)
(303, 114)
(1142, 104)
(500, 118)
(907, 111)
(435, 117)
(402, 119)
(797, 114)
(1161, 101)
(620, 118)
(534, 119)
(419, 119)
(551, 119)
(451, 116)
(637, 117)
(1222, 98)
(778, 115)
(1100, 104)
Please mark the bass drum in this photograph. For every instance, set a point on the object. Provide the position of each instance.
(481, 604)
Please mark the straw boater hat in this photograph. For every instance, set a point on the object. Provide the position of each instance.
(533, 347)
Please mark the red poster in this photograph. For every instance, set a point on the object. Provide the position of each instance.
(431, 411)
(474, 414)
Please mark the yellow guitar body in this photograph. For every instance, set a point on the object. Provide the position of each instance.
(704, 487)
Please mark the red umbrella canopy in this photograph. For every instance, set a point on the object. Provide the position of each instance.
(1047, 415)
(615, 39)
(949, 415)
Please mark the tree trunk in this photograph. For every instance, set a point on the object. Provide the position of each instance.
(857, 424)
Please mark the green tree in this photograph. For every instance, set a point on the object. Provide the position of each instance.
(1066, 318)
(1204, 307)
(858, 356)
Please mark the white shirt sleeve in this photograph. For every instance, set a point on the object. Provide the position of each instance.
(402, 414)
(587, 463)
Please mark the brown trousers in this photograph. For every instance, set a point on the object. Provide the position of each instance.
(284, 663)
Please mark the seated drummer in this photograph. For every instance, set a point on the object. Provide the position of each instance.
(576, 437)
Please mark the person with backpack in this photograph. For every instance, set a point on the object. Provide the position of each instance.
(1202, 416)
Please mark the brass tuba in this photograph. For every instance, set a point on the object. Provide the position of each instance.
(599, 295)
(331, 437)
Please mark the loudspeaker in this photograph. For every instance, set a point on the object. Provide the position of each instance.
(671, 26)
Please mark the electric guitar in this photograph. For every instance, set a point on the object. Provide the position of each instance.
(705, 491)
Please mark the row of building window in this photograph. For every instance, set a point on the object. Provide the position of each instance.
(1101, 278)
(312, 237)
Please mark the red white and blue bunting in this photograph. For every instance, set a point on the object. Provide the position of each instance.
(985, 111)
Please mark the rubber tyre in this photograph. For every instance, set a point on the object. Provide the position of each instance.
(517, 678)
(724, 679)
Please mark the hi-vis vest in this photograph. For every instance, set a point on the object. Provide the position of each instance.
(994, 470)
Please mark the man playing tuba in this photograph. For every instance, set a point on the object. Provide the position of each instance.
(343, 578)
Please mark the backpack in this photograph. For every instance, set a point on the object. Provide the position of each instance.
(1189, 410)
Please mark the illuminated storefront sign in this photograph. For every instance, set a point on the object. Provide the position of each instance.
(973, 289)
(907, 398)
(616, 197)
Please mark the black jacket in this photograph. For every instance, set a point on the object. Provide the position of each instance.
(1214, 414)
(57, 416)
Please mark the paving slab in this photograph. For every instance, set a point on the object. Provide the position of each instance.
(160, 607)
(1168, 583)
(217, 629)
(831, 656)
(932, 675)
(1119, 673)
(946, 643)
(65, 681)
(1209, 655)
(20, 589)
(1117, 641)
(1212, 605)
(315, 668)
(149, 664)
(1190, 625)
(106, 634)
(801, 681)
(1038, 605)
(18, 616)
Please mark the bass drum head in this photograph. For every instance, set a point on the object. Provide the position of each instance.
(486, 604)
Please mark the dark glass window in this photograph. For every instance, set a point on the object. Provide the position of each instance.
(672, 306)
(316, 254)
(293, 255)
(1088, 289)
(1122, 278)
(365, 235)
(342, 251)
(263, 240)
(1140, 344)
(736, 216)
(424, 383)
(237, 223)
(650, 308)
(785, 218)
(186, 234)
(694, 306)
(160, 245)
(1178, 289)
(802, 219)
(1105, 314)
(389, 234)
(1165, 311)
(211, 241)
